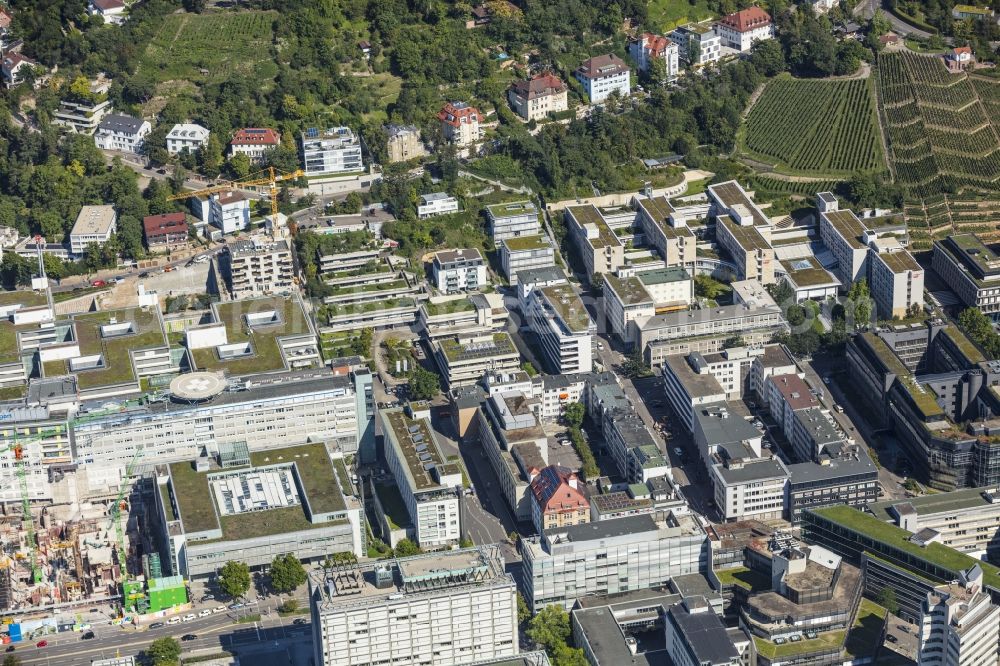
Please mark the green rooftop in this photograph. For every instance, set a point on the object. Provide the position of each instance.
(27, 299)
(664, 275)
(899, 262)
(408, 434)
(452, 306)
(360, 308)
(956, 500)
(526, 243)
(568, 306)
(748, 238)
(657, 208)
(589, 215)
(748, 579)
(814, 275)
(964, 345)
(456, 351)
(946, 562)
(511, 208)
(629, 290)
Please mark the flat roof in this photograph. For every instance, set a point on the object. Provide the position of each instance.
(795, 391)
(696, 384)
(658, 208)
(589, 215)
(848, 226)
(899, 262)
(664, 275)
(748, 237)
(409, 435)
(456, 351)
(941, 503)
(769, 468)
(731, 193)
(834, 469)
(511, 209)
(629, 290)
(971, 251)
(567, 304)
(705, 634)
(808, 272)
(94, 220)
(607, 529)
(540, 274)
(722, 423)
(524, 243)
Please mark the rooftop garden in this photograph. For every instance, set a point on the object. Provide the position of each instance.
(452, 306)
(117, 369)
(748, 579)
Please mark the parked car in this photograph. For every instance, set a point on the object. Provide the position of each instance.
(87, 636)
(98, 283)
(219, 609)
(679, 452)
(10, 648)
(300, 620)
(169, 269)
(205, 613)
(174, 620)
(156, 625)
(189, 617)
(826, 380)
(41, 644)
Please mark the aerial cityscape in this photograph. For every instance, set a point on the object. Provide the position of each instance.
(499, 333)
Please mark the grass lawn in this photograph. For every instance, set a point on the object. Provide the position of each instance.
(207, 48)
(863, 638)
(667, 14)
(745, 578)
(920, 47)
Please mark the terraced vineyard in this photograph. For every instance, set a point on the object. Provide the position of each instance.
(941, 129)
(814, 128)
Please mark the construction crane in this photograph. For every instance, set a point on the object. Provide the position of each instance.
(271, 181)
(17, 446)
(116, 510)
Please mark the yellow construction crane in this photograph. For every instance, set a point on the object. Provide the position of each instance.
(272, 180)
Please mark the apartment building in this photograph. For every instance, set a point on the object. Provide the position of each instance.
(698, 44)
(436, 203)
(258, 266)
(94, 224)
(611, 556)
(254, 142)
(459, 608)
(229, 211)
(564, 328)
(648, 47)
(515, 445)
(971, 269)
(123, 133)
(186, 137)
(635, 451)
(896, 279)
(458, 270)
(600, 248)
(602, 75)
(689, 384)
(428, 483)
(958, 626)
(403, 143)
(537, 97)
(465, 358)
(449, 316)
(742, 29)
(523, 253)
(165, 231)
(85, 115)
(460, 123)
(557, 499)
(512, 219)
(667, 231)
(331, 152)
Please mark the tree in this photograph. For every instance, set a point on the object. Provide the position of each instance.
(287, 573)
(289, 606)
(240, 165)
(523, 612)
(11, 660)
(860, 298)
(210, 156)
(529, 368)
(635, 366)
(887, 599)
(424, 384)
(768, 58)
(706, 287)
(879, 25)
(164, 651)
(234, 579)
(406, 548)
(574, 414)
(597, 284)
(550, 627)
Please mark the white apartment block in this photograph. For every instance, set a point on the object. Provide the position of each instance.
(750, 489)
(94, 224)
(186, 136)
(429, 484)
(458, 270)
(698, 44)
(896, 279)
(333, 151)
(689, 385)
(648, 47)
(564, 329)
(602, 75)
(523, 253)
(743, 29)
(84, 116)
(436, 203)
(610, 556)
(439, 609)
(536, 98)
(259, 266)
(229, 211)
(626, 301)
(464, 359)
(122, 133)
(600, 248)
(512, 219)
(958, 625)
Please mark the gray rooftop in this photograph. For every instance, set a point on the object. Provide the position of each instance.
(118, 122)
(697, 385)
(542, 274)
(810, 472)
(770, 468)
(607, 529)
(706, 637)
(722, 425)
(820, 426)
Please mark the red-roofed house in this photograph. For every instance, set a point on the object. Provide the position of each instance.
(649, 47)
(460, 123)
(12, 68)
(112, 11)
(959, 58)
(740, 30)
(535, 98)
(166, 230)
(5, 20)
(557, 499)
(254, 142)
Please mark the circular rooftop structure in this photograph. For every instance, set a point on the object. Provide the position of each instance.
(197, 386)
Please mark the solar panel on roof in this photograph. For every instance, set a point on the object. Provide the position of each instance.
(414, 428)
(312, 132)
(421, 448)
(418, 438)
(428, 467)
(425, 457)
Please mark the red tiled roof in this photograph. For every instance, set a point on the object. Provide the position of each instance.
(748, 19)
(454, 112)
(5, 18)
(255, 136)
(105, 5)
(958, 50)
(604, 65)
(167, 223)
(540, 86)
(553, 490)
(655, 44)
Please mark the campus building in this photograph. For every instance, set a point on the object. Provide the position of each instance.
(564, 329)
(971, 269)
(512, 219)
(94, 224)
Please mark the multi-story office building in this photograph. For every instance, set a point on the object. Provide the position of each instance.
(696, 636)
(849, 478)
(94, 224)
(460, 123)
(224, 509)
(259, 266)
(465, 359)
(632, 446)
(611, 556)
(123, 133)
(403, 143)
(564, 329)
(516, 446)
(750, 489)
(647, 48)
(667, 231)
(254, 142)
(186, 137)
(742, 29)
(463, 316)
(512, 219)
(537, 97)
(896, 280)
(436, 203)
(729, 197)
(602, 75)
(971, 269)
(600, 248)
(630, 300)
(428, 483)
(458, 270)
(523, 253)
(841, 232)
(330, 152)
(440, 609)
(958, 626)
(689, 384)
(697, 43)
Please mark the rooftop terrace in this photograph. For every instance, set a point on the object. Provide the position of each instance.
(456, 351)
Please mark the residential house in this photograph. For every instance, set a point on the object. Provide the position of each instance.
(964, 12)
(165, 231)
(186, 136)
(648, 47)
(557, 499)
(741, 30)
(436, 203)
(460, 123)
(112, 11)
(14, 67)
(602, 75)
(229, 211)
(334, 151)
(403, 143)
(254, 142)
(535, 98)
(959, 58)
(121, 132)
(699, 44)
(459, 270)
(94, 224)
